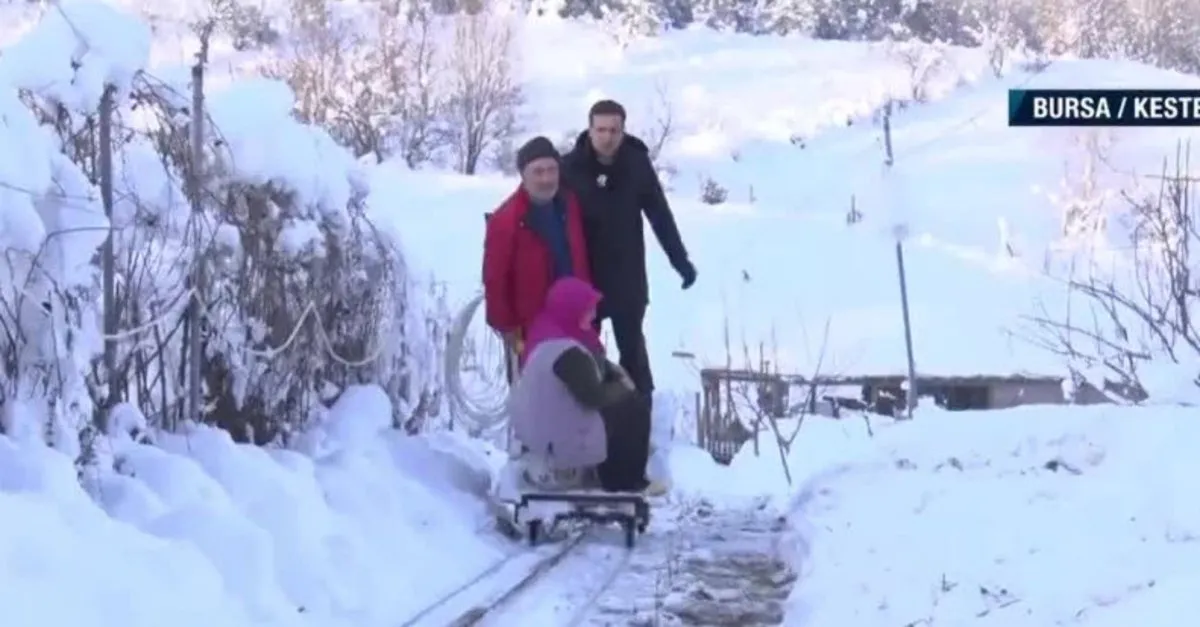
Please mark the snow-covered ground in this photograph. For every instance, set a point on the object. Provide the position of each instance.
(353, 529)
(1026, 517)
(1020, 518)
(983, 203)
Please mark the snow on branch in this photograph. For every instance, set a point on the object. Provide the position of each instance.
(1124, 320)
(302, 294)
(51, 84)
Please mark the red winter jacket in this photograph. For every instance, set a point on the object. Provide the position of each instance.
(517, 264)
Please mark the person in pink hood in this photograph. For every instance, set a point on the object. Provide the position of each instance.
(566, 384)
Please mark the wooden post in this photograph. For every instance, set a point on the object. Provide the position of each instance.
(196, 277)
(108, 254)
(910, 395)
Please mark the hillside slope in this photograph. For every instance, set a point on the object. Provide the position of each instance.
(983, 205)
(323, 535)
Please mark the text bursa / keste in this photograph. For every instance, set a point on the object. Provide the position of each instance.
(1103, 107)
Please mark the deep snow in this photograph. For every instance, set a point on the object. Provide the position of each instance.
(363, 526)
(197, 530)
(1027, 517)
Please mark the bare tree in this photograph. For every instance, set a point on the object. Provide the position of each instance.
(420, 136)
(370, 78)
(660, 132)
(484, 93)
(1126, 315)
(315, 58)
(923, 62)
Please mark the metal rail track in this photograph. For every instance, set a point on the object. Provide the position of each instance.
(583, 610)
(501, 585)
(502, 580)
(480, 612)
(565, 593)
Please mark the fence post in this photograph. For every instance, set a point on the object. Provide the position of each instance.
(196, 277)
(108, 253)
(910, 396)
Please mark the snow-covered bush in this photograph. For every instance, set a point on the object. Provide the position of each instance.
(247, 25)
(304, 295)
(922, 63)
(52, 221)
(298, 294)
(712, 192)
(1161, 32)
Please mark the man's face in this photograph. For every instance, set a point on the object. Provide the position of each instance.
(540, 178)
(606, 133)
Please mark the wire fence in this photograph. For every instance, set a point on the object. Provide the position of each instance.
(196, 327)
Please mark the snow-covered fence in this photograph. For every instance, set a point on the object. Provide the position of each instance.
(101, 241)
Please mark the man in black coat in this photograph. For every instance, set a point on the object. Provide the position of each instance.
(616, 183)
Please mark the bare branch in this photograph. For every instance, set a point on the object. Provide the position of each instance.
(1139, 305)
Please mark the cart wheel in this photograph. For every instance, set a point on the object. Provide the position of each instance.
(630, 533)
(534, 529)
(641, 527)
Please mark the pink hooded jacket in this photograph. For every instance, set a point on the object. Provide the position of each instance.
(546, 418)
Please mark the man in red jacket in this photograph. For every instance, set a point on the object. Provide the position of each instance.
(533, 238)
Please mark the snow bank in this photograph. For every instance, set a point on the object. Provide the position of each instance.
(198, 528)
(822, 447)
(55, 540)
(192, 528)
(1026, 517)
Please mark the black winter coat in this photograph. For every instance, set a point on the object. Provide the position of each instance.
(613, 199)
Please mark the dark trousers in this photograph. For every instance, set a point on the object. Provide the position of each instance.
(627, 423)
(631, 344)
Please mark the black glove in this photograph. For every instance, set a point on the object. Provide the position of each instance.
(687, 272)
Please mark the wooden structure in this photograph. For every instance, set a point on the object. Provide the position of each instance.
(734, 403)
(720, 430)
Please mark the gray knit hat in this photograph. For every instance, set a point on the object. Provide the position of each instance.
(536, 148)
